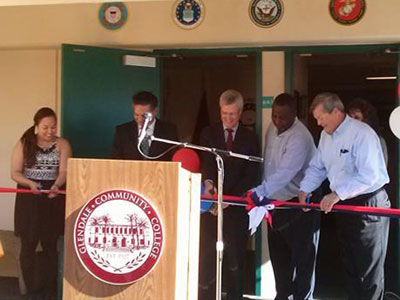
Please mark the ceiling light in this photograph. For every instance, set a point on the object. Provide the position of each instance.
(381, 78)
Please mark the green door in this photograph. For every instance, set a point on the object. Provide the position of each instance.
(96, 95)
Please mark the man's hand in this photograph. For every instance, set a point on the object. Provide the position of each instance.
(329, 201)
(303, 199)
(257, 200)
(209, 188)
(214, 208)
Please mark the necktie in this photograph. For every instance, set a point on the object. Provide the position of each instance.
(145, 145)
(229, 139)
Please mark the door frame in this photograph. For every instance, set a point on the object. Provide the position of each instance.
(289, 54)
(337, 49)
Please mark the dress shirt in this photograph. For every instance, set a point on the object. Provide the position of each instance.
(352, 159)
(234, 130)
(149, 130)
(286, 157)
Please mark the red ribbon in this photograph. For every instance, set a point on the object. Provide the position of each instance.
(27, 191)
(378, 211)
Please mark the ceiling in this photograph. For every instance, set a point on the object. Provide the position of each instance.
(55, 2)
(352, 68)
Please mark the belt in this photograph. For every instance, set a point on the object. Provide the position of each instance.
(364, 196)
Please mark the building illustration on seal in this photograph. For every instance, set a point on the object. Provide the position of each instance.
(105, 235)
(118, 236)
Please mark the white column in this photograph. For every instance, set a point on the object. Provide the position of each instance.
(273, 83)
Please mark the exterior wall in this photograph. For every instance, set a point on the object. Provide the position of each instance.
(31, 35)
(27, 82)
(226, 24)
(273, 83)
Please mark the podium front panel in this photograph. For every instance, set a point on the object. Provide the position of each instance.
(173, 192)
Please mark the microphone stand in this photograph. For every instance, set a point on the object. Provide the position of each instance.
(220, 217)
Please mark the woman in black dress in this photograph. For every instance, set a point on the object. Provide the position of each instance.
(39, 162)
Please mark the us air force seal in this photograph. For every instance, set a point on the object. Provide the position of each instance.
(265, 13)
(113, 15)
(188, 14)
(118, 237)
(347, 12)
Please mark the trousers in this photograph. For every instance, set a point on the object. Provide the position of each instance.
(293, 244)
(363, 243)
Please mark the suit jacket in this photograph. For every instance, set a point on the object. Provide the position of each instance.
(240, 175)
(126, 139)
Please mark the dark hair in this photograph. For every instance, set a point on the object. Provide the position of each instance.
(145, 98)
(370, 116)
(29, 140)
(286, 99)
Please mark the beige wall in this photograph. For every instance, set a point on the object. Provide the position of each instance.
(273, 83)
(28, 77)
(27, 82)
(226, 23)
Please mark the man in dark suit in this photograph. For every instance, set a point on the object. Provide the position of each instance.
(240, 176)
(126, 135)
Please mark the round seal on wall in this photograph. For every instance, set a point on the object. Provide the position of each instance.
(188, 14)
(118, 237)
(113, 15)
(347, 12)
(265, 13)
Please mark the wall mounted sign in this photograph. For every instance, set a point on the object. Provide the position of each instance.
(265, 13)
(118, 236)
(267, 101)
(113, 15)
(188, 14)
(347, 12)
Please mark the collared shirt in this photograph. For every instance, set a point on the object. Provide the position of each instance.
(352, 159)
(234, 130)
(286, 157)
(149, 130)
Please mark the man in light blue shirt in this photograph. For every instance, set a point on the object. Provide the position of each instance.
(349, 154)
(293, 238)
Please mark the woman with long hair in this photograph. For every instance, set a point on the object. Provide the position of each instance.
(363, 111)
(39, 162)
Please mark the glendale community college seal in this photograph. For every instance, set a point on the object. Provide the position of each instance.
(118, 237)
(347, 12)
(265, 13)
(113, 15)
(188, 14)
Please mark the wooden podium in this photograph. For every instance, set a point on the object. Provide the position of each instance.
(173, 192)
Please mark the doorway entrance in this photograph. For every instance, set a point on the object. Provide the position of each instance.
(370, 75)
(191, 86)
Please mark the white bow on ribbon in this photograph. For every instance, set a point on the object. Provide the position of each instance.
(257, 214)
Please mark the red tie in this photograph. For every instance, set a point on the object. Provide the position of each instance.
(229, 139)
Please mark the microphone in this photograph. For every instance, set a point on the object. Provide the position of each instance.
(147, 118)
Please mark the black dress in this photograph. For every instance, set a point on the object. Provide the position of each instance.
(39, 218)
